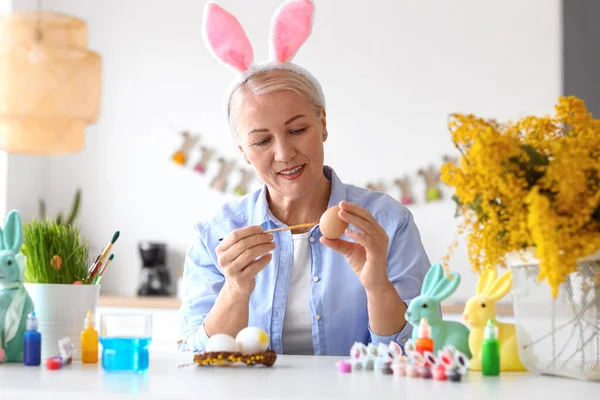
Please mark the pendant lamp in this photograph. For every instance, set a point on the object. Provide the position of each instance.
(49, 83)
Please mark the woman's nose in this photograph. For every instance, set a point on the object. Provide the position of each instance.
(284, 151)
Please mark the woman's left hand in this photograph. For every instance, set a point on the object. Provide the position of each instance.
(367, 255)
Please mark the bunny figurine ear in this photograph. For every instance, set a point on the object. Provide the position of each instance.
(500, 287)
(13, 232)
(433, 276)
(290, 27)
(225, 37)
(445, 287)
(486, 278)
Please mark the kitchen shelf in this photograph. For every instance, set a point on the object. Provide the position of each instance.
(174, 303)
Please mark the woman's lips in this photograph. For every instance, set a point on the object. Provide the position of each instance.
(291, 174)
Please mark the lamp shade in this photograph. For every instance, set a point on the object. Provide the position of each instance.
(49, 83)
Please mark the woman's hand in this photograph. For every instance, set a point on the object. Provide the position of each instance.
(242, 255)
(367, 255)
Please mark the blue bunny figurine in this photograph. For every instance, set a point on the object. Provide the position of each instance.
(436, 288)
(15, 303)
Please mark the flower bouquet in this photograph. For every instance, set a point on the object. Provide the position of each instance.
(531, 188)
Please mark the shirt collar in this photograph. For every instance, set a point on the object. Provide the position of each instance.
(261, 214)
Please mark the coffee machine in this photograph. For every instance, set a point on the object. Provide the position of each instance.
(156, 280)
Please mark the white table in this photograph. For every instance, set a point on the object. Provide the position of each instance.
(291, 377)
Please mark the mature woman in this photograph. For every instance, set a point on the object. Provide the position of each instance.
(312, 295)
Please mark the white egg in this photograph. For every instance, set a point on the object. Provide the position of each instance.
(252, 340)
(221, 342)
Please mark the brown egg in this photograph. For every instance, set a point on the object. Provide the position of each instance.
(331, 225)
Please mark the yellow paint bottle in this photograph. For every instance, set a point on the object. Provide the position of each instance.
(89, 341)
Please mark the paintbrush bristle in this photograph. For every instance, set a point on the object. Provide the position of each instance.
(115, 237)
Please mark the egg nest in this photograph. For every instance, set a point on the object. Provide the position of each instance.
(266, 358)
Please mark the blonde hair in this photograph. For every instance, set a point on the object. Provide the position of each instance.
(270, 81)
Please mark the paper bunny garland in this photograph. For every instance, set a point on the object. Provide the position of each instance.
(227, 41)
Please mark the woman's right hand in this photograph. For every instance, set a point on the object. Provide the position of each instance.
(242, 255)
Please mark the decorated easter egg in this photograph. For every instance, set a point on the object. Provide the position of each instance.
(331, 225)
(221, 342)
(252, 340)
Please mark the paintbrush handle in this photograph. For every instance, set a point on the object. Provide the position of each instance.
(105, 252)
(287, 228)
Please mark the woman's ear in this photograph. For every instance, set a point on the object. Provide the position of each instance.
(243, 154)
(323, 120)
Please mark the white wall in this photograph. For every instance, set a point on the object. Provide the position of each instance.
(25, 174)
(392, 73)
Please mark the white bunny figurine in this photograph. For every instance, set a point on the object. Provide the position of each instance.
(358, 356)
(386, 355)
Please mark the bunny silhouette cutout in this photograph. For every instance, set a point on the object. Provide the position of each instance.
(450, 159)
(220, 181)
(406, 193)
(431, 175)
(205, 156)
(242, 187)
(181, 155)
(376, 187)
(436, 288)
(480, 309)
(15, 303)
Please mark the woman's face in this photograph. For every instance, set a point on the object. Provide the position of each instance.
(280, 135)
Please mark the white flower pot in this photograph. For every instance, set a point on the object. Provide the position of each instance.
(558, 336)
(61, 311)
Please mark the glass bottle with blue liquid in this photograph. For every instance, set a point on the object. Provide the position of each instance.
(125, 339)
(32, 341)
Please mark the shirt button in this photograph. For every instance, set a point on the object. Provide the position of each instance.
(315, 278)
(317, 317)
(311, 239)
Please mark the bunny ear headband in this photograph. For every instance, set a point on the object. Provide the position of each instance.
(226, 39)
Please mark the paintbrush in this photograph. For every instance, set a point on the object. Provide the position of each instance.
(99, 277)
(287, 228)
(98, 264)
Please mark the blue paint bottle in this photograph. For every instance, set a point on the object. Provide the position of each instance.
(33, 342)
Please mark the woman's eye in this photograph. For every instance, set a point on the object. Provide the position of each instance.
(261, 142)
(298, 131)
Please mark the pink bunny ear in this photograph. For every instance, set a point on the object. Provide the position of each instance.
(226, 38)
(291, 26)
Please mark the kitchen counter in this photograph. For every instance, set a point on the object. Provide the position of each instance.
(299, 377)
(174, 303)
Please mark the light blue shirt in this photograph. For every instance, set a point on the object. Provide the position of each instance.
(338, 302)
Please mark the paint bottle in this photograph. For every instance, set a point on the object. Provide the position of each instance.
(424, 342)
(490, 351)
(32, 349)
(89, 341)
